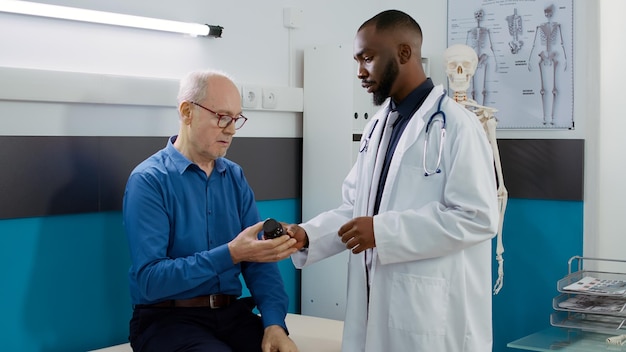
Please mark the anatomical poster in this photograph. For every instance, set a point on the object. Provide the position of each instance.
(525, 59)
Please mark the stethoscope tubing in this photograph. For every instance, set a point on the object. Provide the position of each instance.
(431, 120)
(427, 172)
(366, 142)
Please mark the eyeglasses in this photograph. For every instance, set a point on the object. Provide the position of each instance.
(223, 120)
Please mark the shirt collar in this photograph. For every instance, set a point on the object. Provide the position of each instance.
(182, 163)
(414, 100)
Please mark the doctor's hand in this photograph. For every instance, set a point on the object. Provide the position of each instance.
(358, 234)
(299, 234)
(247, 247)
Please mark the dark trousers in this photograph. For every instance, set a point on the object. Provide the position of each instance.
(230, 329)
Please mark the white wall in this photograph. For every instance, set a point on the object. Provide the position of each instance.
(608, 164)
(255, 48)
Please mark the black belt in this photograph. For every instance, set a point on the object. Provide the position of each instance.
(210, 301)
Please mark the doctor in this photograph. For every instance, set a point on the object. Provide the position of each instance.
(418, 217)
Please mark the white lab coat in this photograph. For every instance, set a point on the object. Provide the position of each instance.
(431, 270)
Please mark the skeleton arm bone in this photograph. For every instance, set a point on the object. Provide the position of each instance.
(489, 122)
(530, 56)
(495, 59)
(490, 127)
(563, 48)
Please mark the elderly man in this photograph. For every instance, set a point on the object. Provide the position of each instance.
(193, 228)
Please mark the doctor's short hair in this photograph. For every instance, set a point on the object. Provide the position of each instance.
(193, 87)
(392, 20)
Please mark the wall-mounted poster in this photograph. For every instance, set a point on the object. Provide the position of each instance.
(525, 59)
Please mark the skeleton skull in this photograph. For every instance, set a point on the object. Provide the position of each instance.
(479, 14)
(461, 61)
(548, 11)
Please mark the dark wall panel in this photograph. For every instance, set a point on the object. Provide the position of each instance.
(543, 168)
(273, 167)
(63, 175)
(47, 175)
(118, 157)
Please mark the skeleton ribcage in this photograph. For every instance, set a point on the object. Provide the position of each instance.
(548, 33)
(477, 38)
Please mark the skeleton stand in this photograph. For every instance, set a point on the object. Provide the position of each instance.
(488, 120)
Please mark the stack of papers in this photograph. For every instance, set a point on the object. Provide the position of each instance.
(595, 304)
(594, 285)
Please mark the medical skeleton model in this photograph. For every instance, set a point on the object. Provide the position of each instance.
(479, 39)
(550, 34)
(515, 30)
(461, 62)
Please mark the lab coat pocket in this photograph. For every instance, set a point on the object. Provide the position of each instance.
(419, 304)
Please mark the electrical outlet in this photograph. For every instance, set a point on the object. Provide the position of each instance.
(250, 96)
(292, 17)
(269, 98)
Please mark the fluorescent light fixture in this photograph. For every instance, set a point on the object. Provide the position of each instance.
(76, 14)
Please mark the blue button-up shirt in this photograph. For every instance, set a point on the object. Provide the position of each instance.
(179, 221)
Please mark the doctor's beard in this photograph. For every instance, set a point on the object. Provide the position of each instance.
(388, 78)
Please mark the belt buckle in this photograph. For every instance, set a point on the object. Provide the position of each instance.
(213, 304)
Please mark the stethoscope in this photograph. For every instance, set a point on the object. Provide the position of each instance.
(366, 141)
(431, 121)
(427, 172)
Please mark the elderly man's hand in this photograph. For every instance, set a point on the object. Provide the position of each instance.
(275, 339)
(249, 248)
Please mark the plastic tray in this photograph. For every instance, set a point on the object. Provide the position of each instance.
(590, 304)
(612, 284)
(589, 322)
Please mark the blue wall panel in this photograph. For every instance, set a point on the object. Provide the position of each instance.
(64, 280)
(285, 211)
(539, 238)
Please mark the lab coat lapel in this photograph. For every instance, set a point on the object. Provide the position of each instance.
(368, 178)
(409, 137)
(381, 150)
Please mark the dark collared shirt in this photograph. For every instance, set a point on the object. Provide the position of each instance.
(406, 108)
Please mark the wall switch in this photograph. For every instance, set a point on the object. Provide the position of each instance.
(269, 98)
(250, 96)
